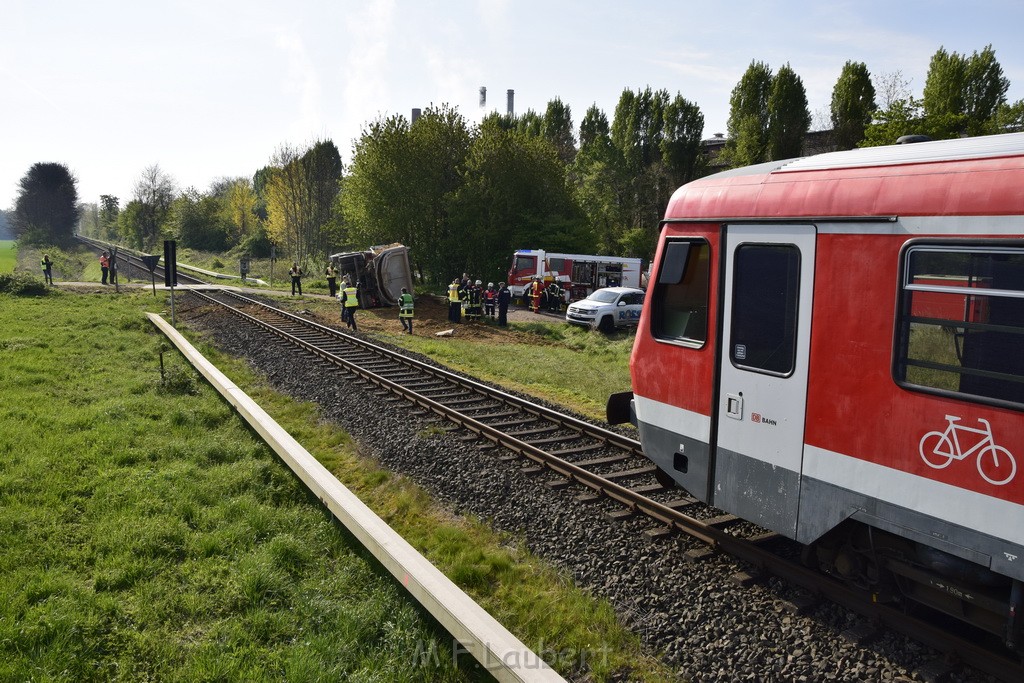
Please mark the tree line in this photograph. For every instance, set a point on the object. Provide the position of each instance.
(463, 196)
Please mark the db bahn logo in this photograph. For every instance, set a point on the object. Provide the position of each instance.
(760, 419)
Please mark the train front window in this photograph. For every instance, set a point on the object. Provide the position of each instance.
(961, 321)
(679, 303)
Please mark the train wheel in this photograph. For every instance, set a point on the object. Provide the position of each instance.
(996, 465)
(936, 450)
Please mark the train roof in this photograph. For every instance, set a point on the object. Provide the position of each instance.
(967, 176)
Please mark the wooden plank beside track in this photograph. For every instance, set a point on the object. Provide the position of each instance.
(497, 650)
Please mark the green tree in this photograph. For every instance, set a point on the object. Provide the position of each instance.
(557, 128)
(594, 128)
(530, 123)
(747, 126)
(962, 94)
(89, 219)
(601, 184)
(109, 209)
(1009, 118)
(658, 140)
(637, 132)
(322, 165)
(943, 101)
(286, 193)
(514, 194)
(400, 184)
(46, 208)
(985, 92)
(154, 192)
(853, 103)
(683, 125)
(197, 221)
(239, 210)
(902, 117)
(788, 116)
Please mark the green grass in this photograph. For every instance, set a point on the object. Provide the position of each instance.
(937, 345)
(578, 368)
(145, 533)
(8, 256)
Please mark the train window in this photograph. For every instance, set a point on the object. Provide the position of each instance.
(961, 322)
(679, 303)
(766, 291)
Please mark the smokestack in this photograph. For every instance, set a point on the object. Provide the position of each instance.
(415, 115)
(483, 96)
(511, 102)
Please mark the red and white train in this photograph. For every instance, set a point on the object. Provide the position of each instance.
(833, 348)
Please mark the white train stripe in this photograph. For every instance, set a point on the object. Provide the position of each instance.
(986, 514)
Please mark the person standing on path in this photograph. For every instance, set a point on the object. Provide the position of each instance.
(296, 274)
(47, 265)
(504, 298)
(454, 302)
(405, 310)
(105, 266)
(349, 302)
(332, 278)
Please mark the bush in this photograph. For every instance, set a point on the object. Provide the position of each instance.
(22, 284)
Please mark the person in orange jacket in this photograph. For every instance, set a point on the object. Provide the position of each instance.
(105, 266)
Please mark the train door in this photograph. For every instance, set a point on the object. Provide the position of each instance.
(768, 285)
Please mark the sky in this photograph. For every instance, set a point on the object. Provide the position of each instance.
(211, 89)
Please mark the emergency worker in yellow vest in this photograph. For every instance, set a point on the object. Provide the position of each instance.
(454, 302)
(332, 278)
(349, 304)
(405, 310)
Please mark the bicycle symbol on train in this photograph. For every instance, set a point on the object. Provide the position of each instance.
(995, 463)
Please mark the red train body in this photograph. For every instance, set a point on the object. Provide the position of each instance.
(833, 347)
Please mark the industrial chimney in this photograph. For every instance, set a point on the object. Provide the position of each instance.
(483, 96)
(511, 102)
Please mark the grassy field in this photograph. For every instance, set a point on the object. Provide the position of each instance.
(8, 256)
(145, 533)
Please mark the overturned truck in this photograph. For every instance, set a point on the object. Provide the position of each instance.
(379, 273)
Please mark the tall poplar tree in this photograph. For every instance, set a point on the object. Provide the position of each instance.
(788, 116)
(853, 103)
(747, 126)
(557, 128)
(985, 92)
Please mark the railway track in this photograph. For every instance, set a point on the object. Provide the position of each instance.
(129, 264)
(609, 465)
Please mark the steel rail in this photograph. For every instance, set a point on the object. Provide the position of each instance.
(569, 421)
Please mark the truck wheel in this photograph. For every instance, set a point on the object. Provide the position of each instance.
(607, 325)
